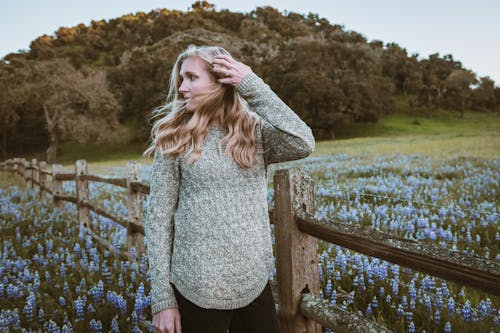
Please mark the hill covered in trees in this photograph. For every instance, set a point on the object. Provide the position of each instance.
(91, 82)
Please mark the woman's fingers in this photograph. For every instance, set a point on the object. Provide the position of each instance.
(222, 71)
(229, 70)
(178, 328)
(224, 61)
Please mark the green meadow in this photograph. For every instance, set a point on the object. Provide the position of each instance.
(444, 135)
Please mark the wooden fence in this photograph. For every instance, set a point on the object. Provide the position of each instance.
(296, 234)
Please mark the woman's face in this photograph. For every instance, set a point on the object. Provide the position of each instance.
(196, 80)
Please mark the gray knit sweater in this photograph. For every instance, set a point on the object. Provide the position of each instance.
(207, 226)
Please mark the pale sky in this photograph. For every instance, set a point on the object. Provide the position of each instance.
(469, 30)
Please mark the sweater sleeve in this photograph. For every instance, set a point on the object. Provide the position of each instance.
(158, 229)
(285, 136)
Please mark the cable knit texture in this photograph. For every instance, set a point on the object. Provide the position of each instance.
(207, 226)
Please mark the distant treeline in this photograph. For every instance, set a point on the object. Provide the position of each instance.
(86, 83)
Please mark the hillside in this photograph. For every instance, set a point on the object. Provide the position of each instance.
(105, 78)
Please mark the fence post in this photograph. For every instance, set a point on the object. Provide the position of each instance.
(27, 173)
(34, 173)
(296, 252)
(56, 185)
(134, 208)
(42, 178)
(15, 166)
(22, 167)
(82, 193)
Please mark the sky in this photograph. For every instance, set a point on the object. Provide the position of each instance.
(469, 30)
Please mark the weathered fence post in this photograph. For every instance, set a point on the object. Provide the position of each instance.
(56, 185)
(34, 173)
(27, 173)
(134, 207)
(15, 166)
(82, 193)
(296, 252)
(21, 167)
(42, 178)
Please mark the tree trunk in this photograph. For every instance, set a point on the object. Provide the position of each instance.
(52, 150)
(331, 133)
(4, 146)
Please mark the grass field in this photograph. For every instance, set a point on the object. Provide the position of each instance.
(444, 135)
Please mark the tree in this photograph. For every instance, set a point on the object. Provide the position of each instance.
(202, 6)
(483, 97)
(330, 84)
(73, 105)
(458, 88)
(8, 115)
(435, 70)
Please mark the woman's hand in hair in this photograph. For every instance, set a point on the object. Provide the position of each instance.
(229, 70)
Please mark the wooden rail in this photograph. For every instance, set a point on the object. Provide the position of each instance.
(452, 265)
(35, 174)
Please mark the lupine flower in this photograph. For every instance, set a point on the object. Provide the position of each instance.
(400, 311)
(114, 326)
(67, 328)
(80, 307)
(134, 318)
(333, 299)
(409, 315)
(411, 327)
(451, 305)
(328, 287)
(437, 317)
(62, 270)
(90, 309)
(41, 315)
(28, 312)
(466, 311)
(368, 311)
(427, 303)
(96, 326)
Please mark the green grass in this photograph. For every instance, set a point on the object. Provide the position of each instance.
(440, 133)
(417, 122)
(407, 132)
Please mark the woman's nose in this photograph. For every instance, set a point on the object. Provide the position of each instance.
(182, 88)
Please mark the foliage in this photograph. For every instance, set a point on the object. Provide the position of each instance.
(331, 76)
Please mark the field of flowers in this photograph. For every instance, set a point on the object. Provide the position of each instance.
(55, 278)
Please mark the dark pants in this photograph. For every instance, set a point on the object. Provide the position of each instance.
(257, 317)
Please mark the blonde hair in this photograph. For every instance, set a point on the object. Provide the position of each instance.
(180, 130)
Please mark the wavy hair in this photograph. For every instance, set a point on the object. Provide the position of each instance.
(180, 130)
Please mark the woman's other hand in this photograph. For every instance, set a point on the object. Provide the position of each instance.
(229, 70)
(167, 321)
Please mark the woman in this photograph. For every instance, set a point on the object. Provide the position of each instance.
(207, 226)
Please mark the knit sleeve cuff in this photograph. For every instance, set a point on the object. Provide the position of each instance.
(249, 84)
(164, 304)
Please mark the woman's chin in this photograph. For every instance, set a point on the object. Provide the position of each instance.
(190, 106)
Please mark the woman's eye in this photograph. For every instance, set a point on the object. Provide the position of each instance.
(192, 77)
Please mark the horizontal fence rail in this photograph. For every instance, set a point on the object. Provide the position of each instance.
(452, 265)
(35, 174)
